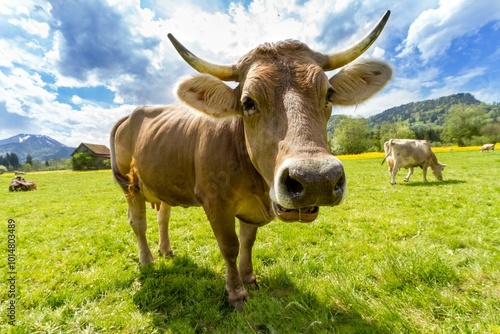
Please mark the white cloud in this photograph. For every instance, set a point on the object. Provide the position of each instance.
(32, 27)
(12, 52)
(226, 36)
(378, 53)
(92, 124)
(23, 92)
(457, 83)
(434, 29)
(76, 99)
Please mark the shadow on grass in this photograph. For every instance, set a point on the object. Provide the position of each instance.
(431, 183)
(182, 297)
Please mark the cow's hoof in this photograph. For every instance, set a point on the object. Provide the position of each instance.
(251, 282)
(253, 285)
(145, 259)
(166, 254)
(238, 299)
(239, 306)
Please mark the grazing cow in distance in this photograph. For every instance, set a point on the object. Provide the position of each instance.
(253, 152)
(488, 147)
(19, 183)
(410, 153)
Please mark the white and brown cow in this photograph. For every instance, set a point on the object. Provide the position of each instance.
(488, 147)
(410, 153)
(253, 152)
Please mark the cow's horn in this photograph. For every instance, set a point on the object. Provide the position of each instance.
(223, 72)
(342, 58)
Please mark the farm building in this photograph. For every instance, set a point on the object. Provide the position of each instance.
(91, 156)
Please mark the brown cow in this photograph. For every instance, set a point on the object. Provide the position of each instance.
(488, 147)
(20, 184)
(253, 152)
(410, 153)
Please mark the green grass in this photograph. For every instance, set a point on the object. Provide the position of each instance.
(409, 258)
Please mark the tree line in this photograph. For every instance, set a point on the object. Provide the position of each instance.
(11, 162)
(462, 125)
(79, 161)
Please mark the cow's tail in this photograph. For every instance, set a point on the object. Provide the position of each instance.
(387, 149)
(124, 181)
(384, 159)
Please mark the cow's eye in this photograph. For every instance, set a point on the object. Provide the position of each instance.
(329, 95)
(249, 106)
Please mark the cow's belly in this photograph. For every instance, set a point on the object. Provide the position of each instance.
(408, 162)
(173, 190)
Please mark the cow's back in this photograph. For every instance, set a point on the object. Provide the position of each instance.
(181, 157)
(410, 153)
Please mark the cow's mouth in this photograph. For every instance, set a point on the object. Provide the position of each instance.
(304, 215)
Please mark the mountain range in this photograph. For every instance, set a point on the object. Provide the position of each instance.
(427, 114)
(423, 112)
(40, 147)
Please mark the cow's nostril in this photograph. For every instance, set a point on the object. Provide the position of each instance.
(340, 185)
(294, 188)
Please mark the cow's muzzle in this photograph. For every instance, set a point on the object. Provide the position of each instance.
(301, 186)
(303, 215)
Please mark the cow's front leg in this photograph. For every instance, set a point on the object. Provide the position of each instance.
(424, 173)
(410, 172)
(138, 222)
(163, 217)
(248, 234)
(223, 226)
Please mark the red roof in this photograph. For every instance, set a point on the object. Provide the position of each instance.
(100, 151)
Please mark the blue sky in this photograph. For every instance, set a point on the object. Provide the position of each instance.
(70, 69)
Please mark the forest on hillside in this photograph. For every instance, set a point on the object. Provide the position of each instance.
(458, 119)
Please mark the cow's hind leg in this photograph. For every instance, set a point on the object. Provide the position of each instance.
(410, 172)
(248, 234)
(393, 174)
(137, 218)
(163, 217)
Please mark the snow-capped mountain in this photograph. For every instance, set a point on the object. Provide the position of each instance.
(40, 147)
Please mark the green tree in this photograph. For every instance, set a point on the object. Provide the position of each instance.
(492, 132)
(395, 131)
(4, 161)
(462, 123)
(29, 159)
(13, 160)
(37, 165)
(26, 167)
(82, 160)
(64, 164)
(350, 136)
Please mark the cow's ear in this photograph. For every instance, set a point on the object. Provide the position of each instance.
(208, 94)
(358, 81)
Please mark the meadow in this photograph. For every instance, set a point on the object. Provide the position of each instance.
(411, 258)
